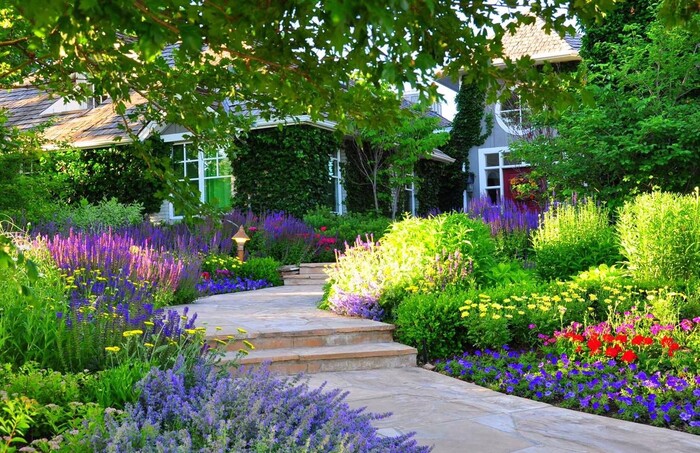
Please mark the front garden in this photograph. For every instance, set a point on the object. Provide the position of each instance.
(582, 307)
(94, 358)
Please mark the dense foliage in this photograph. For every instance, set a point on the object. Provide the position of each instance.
(249, 410)
(115, 172)
(470, 128)
(660, 237)
(572, 238)
(284, 169)
(638, 133)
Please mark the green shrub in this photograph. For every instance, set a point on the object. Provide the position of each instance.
(660, 236)
(416, 254)
(262, 268)
(105, 214)
(513, 245)
(28, 326)
(347, 227)
(433, 324)
(214, 262)
(572, 238)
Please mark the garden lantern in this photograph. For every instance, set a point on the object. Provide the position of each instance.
(241, 238)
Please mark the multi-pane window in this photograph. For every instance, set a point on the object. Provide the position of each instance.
(335, 191)
(513, 115)
(207, 172)
(494, 164)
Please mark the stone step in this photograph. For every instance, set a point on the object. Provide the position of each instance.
(308, 279)
(330, 358)
(312, 338)
(312, 271)
(314, 265)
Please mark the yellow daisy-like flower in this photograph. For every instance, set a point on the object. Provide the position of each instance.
(190, 331)
(249, 344)
(148, 323)
(220, 341)
(132, 333)
(112, 349)
(496, 316)
(148, 345)
(242, 330)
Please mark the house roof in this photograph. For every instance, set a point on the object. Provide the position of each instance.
(83, 128)
(443, 122)
(533, 41)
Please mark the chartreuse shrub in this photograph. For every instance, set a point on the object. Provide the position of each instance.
(426, 255)
(572, 238)
(660, 236)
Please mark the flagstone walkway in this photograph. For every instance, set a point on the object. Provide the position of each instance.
(451, 415)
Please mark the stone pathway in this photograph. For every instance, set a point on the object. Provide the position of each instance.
(451, 415)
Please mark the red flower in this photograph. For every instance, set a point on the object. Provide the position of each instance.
(613, 351)
(206, 276)
(594, 345)
(629, 356)
(608, 338)
(323, 228)
(668, 342)
(577, 338)
(639, 340)
(621, 338)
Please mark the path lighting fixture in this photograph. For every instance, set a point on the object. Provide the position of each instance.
(241, 238)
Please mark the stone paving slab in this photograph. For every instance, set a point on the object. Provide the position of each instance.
(456, 416)
(282, 308)
(452, 415)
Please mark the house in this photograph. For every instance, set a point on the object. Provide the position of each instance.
(490, 165)
(94, 124)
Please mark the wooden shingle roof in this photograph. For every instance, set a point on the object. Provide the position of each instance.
(94, 126)
(533, 41)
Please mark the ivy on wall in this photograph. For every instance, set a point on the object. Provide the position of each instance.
(115, 172)
(284, 169)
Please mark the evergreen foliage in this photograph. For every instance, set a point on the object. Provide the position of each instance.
(284, 170)
(467, 132)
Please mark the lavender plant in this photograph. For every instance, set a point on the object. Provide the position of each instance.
(251, 410)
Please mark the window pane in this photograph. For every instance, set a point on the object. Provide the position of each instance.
(178, 153)
(494, 195)
(192, 169)
(493, 178)
(191, 152)
(210, 167)
(218, 192)
(508, 161)
(492, 160)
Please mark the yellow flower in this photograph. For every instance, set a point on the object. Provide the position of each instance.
(242, 330)
(220, 341)
(496, 317)
(112, 349)
(148, 323)
(131, 333)
(249, 344)
(465, 314)
(593, 297)
(190, 331)
(148, 345)
(218, 328)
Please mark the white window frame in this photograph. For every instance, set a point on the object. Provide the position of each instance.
(201, 172)
(517, 130)
(336, 176)
(483, 170)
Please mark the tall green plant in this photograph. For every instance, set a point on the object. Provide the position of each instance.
(573, 237)
(660, 236)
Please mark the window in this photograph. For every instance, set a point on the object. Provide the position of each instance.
(495, 165)
(335, 191)
(513, 115)
(208, 173)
